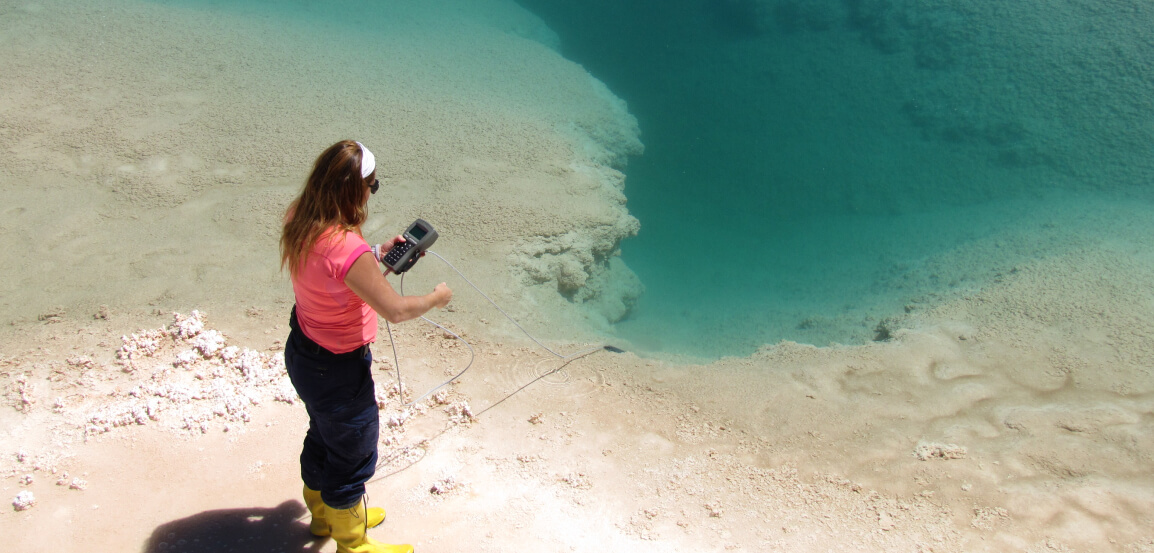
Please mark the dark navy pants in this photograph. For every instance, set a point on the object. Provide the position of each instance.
(340, 449)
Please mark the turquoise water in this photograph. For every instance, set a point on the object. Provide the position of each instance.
(813, 168)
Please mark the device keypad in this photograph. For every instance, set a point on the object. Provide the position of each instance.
(398, 252)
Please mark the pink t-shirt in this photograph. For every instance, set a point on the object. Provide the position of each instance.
(329, 312)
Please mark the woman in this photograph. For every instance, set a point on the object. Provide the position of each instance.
(339, 291)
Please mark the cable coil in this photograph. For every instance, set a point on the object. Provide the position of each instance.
(472, 353)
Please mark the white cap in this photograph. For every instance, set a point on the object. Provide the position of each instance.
(368, 161)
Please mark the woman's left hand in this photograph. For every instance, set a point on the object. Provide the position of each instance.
(388, 245)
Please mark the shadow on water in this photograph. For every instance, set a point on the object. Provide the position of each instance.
(280, 528)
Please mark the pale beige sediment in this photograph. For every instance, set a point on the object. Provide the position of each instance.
(1012, 419)
(152, 149)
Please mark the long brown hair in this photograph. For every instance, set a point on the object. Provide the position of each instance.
(333, 196)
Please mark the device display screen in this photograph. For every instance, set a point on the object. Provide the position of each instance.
(418, 232)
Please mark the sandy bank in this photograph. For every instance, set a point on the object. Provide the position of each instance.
(1011, 420)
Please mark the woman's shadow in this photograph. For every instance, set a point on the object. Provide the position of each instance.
(282, 528)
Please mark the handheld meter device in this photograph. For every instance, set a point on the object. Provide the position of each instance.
(418, 237)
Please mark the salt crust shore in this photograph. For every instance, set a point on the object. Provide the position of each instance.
(1016, 418)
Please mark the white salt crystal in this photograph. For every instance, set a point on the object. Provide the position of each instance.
(24, 501)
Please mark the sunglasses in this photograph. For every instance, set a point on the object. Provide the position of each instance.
(375, 186)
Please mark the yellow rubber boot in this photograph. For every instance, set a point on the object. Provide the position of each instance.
(348, 530)
(319, 526)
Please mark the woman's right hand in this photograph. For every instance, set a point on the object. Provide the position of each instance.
(441, 295)
(367, 282)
